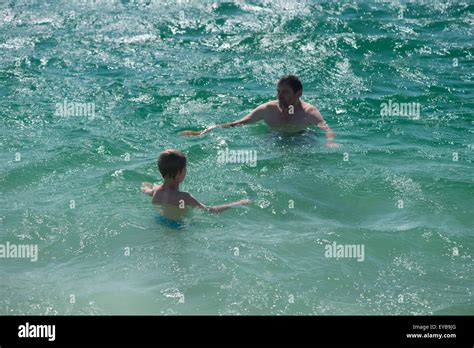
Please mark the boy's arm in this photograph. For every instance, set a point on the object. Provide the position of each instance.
(318, 120)
(193, 202)
(256, 115)
(219, 208)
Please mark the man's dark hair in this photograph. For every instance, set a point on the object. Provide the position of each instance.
(293, 82)
(171, 162)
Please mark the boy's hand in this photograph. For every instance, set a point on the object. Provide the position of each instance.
(245, 201)
(219, 208)
(147, 188)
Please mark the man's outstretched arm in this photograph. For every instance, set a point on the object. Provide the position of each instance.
(256, 115)
(321, 123)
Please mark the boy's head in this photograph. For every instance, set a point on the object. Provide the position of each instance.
(172, 164)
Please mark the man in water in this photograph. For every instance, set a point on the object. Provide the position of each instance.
(287, 114)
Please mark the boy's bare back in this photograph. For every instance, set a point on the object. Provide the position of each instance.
(166, 196)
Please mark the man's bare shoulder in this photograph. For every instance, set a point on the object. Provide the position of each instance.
(312, 113)
(308, 107)
(271, 105)
(266, 110)
(311, 110)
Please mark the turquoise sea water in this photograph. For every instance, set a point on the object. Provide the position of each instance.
(401, 186)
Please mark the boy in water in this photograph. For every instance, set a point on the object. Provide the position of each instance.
(172, 166)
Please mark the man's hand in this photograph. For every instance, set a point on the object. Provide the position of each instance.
(208, 130)
(331, 144)
(192, 133)
(330, 138)
(256, 115)
(318, 120)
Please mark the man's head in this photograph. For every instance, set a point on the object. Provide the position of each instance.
(172, 164)
(289, 90)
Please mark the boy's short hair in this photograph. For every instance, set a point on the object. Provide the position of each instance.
(293, 82)
(171, 162)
